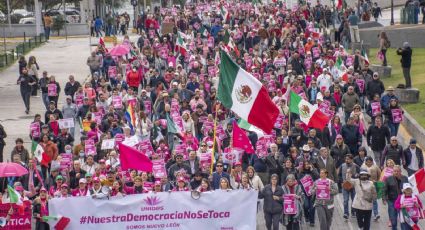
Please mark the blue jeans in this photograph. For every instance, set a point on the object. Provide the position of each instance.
(47, 32)
(346, 195)
(45, 98)
(392, 214)
(309, 209)
(375, 208)
(393, 128)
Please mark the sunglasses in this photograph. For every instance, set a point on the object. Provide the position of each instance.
(219, 165)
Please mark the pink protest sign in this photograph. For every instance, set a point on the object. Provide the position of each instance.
(148, 185)
(376, 108)
(206, 126)
(349, 60)
(151, 34)
(316, 52)
(163, 52)
(148, 106)
(52, 90)
(410, 205)
(119, 138)
(221, 134)
(132, 101)
(180, 149)
(307, 183)
(79, 98)
(89, 147)
(248, 62)
(205, 158)
(117, 102)
(307, 63)
(145, 147)
(232, 155)
(112, 72)
(280, 62)
(397, 115)
(279, 121)
(323, 191)
(289, 205)
(97, 116)
(158, 168)
(66, 160)
(35, 129)
(261, 148)
(361, 84)
(175, 106)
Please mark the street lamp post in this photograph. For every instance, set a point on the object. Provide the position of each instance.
(392, 12)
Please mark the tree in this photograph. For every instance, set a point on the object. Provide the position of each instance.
(58, 23)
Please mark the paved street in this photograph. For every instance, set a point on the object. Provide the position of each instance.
(63, 57)
(60, 58)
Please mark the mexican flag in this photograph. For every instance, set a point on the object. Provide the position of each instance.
(203, 31)
(364, 54)
(309, 114)
(14, 196)
(247, 126)
(405, 218)
(239, 91)
(418, 181)
(181, 44)
(342, 73)
(338, 4)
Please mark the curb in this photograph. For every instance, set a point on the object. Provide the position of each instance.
(413, 128)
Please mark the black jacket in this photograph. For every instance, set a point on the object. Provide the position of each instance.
(271, 205)
(392, 152)
(407, 155)
(377, 138)
(374, 87)
(406, 57)
(71, 89)
(393, 187)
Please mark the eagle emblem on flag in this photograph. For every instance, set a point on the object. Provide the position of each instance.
(304, 111)
(243, 94)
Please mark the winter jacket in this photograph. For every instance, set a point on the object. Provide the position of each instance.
(377, 138)
(363, 189)
(407, 155)
(270, 205)
(338, 153)
(394, 153)
(349, 101)
(393, 187)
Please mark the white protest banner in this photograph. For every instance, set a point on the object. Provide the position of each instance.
(176, 210)
(108, 144)
(66, 123)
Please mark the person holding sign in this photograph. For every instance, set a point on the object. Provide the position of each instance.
(363, 200)
(394, 116)
(306, 177)
(324, 189)
(53, 90)
(410, 207)
(292, 203)
(273, 199)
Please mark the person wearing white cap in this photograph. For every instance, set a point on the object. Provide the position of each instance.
(409, 206)
(324, 80)
(363, 200)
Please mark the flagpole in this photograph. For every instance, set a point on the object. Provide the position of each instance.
(214, 139)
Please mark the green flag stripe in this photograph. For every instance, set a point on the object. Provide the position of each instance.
(228, 73)
(171, 127)
(293, 102)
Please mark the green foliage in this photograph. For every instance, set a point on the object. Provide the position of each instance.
(58, 23)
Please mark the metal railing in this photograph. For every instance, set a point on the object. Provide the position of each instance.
(10, 56)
